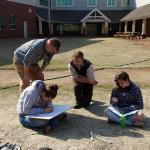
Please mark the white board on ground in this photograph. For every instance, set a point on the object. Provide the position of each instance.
(58, 109)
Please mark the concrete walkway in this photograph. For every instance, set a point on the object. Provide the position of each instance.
(10, 77)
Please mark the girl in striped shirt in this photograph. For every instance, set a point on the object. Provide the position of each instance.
(126, 97)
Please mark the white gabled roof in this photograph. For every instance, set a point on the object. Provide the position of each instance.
(95, 10)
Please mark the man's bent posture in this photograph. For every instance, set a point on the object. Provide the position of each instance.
(27, 56)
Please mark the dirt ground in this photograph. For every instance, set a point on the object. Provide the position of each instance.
(74, 133)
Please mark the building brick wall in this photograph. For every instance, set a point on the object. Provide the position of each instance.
(21, 11)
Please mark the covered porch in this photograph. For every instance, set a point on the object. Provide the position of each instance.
(138, 21)
(95, 23)
(79, 22)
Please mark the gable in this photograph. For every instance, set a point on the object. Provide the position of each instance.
(95, 14)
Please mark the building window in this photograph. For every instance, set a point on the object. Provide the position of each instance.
(91, 3)
(1, 22)
(126, 3)
(12, 22)
(111, 3)
(71, 27)
(64, 3)
(44, 2)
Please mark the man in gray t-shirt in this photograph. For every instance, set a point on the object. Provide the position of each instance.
(27, 56)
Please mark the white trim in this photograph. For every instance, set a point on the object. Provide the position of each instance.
(112, 5)
(40, 18)
(144, 17)
(15, 24)
(65, 6)
(91, 5)
(122, 5)
(87, 16)
(95, 20)
(144, 26)
(25, 29)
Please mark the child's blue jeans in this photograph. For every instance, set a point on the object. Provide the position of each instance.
(113, 117)
(37, 123)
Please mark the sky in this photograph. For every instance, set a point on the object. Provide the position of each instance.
(142, 2)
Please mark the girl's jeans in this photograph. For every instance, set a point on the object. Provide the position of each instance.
(37, 123)
(113, 117)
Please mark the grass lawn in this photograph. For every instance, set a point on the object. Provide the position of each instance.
(103, 52)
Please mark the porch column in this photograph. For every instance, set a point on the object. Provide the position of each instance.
(40, 27)
(119, 26)
(106, 28)
(61, 29)
(133, 26)
(52, 28)
(144, 26)
(126, 26)
(83, 29)
(103, 28)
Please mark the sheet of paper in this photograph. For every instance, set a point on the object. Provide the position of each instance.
(58, 109)
(130, 113)
(111, 108)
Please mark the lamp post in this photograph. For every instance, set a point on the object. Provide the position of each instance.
(49, 16)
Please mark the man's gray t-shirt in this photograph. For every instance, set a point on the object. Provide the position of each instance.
(32, 52)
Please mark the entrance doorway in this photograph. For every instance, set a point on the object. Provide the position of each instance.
(94, 29)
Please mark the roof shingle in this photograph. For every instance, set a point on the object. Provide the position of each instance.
(75, 16)
(139, 13)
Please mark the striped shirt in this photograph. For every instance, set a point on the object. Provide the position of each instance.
(32, 52)
(129, 99)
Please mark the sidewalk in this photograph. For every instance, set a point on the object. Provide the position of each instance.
(10, 77)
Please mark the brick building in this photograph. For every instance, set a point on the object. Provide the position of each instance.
(17, 20)
(29, 18)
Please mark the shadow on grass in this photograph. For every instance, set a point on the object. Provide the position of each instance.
(7, 47)
(97, 108)
(79, 127)
(71, 43)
